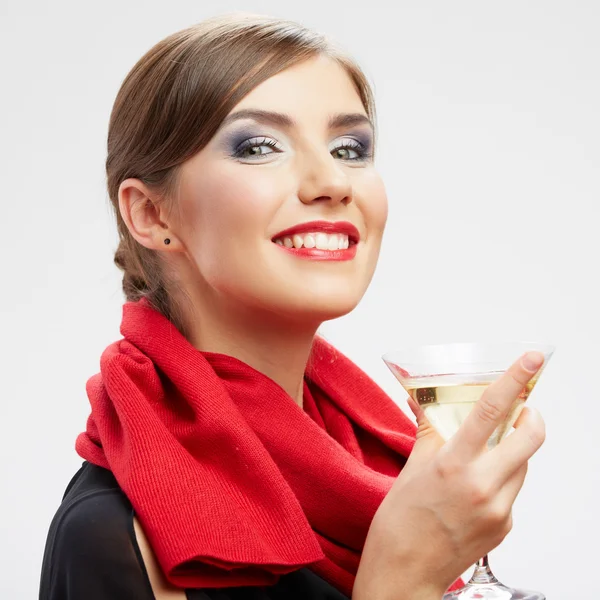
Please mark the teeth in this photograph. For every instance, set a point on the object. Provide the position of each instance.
(309, 241)
(321, 241)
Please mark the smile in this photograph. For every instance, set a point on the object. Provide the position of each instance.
(320, 240)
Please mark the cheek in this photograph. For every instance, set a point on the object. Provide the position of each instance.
(227, 217)
(374, 205)
(229, 203)
(381, 210)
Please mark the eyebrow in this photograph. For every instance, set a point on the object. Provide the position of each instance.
(283, 120)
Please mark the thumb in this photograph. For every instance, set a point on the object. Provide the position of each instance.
(424, 427)
(427, 443)
(428, 440)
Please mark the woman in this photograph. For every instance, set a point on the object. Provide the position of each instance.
(231, 452)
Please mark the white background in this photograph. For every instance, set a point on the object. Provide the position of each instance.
(489, 145)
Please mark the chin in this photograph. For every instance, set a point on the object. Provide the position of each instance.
(317, 307)
(299, 300)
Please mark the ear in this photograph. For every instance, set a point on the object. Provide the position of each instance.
(145, 217)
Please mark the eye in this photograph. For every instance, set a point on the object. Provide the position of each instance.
(349, 149)
(256, 148)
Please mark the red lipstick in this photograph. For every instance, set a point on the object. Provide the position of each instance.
(322, 227)
(343, 227)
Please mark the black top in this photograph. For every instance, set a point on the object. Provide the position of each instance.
(92, 553)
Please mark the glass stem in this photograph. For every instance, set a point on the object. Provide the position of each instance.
(483, 574)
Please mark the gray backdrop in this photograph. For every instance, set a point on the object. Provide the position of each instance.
(489, 123)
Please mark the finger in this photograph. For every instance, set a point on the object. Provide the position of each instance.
(428, 440)
(507, 494)
(416, 410)
(424, 427)
(517, 448)
(500, 508)
(491, 409)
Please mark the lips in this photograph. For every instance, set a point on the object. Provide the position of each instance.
(320, 240)
(340, 227)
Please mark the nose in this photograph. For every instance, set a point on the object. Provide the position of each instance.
(324, 180)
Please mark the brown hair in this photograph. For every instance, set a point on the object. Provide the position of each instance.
(172, 103)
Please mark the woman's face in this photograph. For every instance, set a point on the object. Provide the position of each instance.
(295, 156)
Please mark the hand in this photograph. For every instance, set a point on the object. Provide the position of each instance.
(452, 502)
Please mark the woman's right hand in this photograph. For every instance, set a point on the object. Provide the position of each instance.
(452, 502)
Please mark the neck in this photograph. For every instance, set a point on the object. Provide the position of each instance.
(277, 347)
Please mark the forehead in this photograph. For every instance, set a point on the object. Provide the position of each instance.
(318, 85)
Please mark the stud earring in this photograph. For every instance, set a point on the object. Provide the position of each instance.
(167, 241)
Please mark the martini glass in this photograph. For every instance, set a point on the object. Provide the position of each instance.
(447, 380)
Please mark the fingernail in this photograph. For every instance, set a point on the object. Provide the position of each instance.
(532, 361)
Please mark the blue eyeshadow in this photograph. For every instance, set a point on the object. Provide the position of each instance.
(233, 139)
(365, 138)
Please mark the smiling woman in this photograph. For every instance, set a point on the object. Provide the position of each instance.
(230, 451)
(277, 162)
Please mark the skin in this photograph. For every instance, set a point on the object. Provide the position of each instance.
(248, 298)
(251, 300)
(457, 496)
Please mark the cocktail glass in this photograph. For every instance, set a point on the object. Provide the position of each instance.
(446, 380)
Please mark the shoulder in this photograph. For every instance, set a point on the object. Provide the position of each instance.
(96, 549)
(93, 515)
(91, 549)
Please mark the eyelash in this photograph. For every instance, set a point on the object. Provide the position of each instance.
(363, 152)
(359, 147)
(255, 143)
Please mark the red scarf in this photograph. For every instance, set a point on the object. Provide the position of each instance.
(234, 483)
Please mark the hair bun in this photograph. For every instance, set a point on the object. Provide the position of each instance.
(134, 283)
